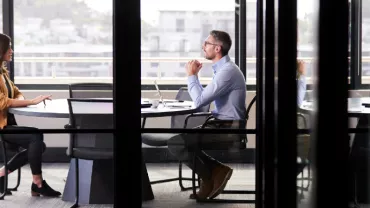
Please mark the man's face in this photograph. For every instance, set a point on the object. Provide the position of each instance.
(210, 48)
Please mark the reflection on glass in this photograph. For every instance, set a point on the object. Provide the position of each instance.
(306, 72)
(63, 39)
(172, 33)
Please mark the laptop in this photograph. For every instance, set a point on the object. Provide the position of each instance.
(159, 92)
(145, 103)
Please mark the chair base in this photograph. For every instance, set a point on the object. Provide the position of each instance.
(18, 181)
(238, 201)
(74, 206)
(96, 182)
(176, 179)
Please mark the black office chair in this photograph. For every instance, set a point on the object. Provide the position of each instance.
(91, 90)
(179, 121)
(303, 154)
(12, 148)
(242, 145)
(95, 146)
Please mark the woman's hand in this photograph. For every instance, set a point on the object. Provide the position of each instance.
(40, 98)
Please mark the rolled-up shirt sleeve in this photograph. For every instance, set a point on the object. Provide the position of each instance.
(219, 86)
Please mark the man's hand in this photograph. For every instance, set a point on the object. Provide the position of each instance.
(193, 67)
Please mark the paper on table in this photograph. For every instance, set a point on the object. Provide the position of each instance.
(184, 105)
(358, 109)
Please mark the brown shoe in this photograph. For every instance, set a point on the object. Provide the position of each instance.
(205, 189)
(220, 176)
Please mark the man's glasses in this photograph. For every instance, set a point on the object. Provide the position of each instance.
(208, 43)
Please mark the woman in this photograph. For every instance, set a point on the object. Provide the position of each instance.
(32, 144)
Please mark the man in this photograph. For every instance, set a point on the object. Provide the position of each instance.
(301, 82)
(228, 92)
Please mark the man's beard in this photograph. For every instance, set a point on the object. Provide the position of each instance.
(208, 57)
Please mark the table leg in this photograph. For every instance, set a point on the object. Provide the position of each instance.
(96, 182)
(146, 187)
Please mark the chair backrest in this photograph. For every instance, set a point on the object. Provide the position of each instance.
(303, 140)
(79, 120)
(249, 107)
(91, 90)
(178, 121)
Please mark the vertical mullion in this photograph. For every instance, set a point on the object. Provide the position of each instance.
(266, 102)
(127, 54)
(237, 30)
(242, 37)
(331, 162)
(286, 104)
(260, 110)
(355, 61)
(8, 29)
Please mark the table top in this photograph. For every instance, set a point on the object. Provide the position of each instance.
(58, 108)
(170, 108)
(355, 106)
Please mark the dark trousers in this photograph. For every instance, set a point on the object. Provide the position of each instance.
(185, 146)
(32, 146)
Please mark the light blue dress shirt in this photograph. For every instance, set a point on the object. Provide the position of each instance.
(301, 89)
(227, 90)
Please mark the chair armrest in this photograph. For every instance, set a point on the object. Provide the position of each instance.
(196, 115)
(304, 119)
(214, 122)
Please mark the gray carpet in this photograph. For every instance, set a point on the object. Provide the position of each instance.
(55, 175)
(167, 195)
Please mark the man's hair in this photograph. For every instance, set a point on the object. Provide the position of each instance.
(224, 38)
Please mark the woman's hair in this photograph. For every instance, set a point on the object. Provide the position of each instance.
(4, 47)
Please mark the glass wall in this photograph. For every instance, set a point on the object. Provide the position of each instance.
(57, 40)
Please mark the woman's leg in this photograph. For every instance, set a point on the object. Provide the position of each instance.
(34, 145)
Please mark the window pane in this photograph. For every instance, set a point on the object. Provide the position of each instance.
(70, 38)
(173, 33)
(251, 28)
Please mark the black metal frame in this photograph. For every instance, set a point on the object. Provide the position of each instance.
(180, 178)
(8, 28)
(306, 162)
(5, 168)
(224, 191)
(2, 196)
(72, 125)
(336, 145)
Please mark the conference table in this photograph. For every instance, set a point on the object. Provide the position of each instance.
(356, 107)
(96, 177)
(97, 174)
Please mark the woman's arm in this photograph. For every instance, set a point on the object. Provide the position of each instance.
(6, 102)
